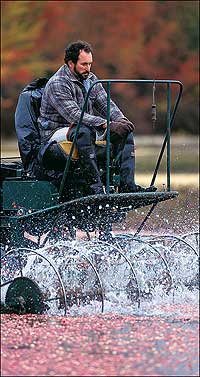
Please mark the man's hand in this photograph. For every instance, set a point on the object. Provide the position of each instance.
(120, 129)
(128, 123)
(104, 126)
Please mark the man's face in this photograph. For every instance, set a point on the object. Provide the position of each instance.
(83, 66)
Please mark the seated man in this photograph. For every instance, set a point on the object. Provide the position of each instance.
(61, 106)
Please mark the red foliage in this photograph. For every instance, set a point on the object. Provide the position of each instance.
(131, 39)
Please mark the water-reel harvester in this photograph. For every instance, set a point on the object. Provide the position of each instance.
(39, 207)
(36, 215)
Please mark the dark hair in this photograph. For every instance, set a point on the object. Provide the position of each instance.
(72, 51)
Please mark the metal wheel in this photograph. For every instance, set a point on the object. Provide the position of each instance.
(24, 296)
(25, 269)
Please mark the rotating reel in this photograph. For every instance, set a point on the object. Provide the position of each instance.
(76, 277)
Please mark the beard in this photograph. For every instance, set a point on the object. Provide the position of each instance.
(81, 76)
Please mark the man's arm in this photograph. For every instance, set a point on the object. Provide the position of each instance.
(100, 104)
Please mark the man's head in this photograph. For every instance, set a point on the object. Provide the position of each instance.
(78, 57)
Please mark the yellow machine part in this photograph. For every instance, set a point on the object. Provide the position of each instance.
(66, 145)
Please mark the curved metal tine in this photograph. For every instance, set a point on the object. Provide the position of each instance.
(6, 283)
(19, 262)
(178, 239)
(157, 251)
(128, 261)
(100, 282)
(196, 234)
(20, 265)
(51, 264)
(96, 273)
(93, 267)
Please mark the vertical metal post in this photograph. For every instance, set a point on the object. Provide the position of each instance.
(108, 141)
(168, 134)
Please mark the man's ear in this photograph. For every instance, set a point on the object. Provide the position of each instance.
(70, 64)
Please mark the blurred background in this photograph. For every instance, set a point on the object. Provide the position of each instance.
(131, 40)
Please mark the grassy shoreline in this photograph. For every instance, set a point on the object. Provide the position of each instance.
(178, 180)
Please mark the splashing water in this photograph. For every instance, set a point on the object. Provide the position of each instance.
(131, 275)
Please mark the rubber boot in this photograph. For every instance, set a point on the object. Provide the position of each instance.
(127, 171)
(127, 168)
(91, 174)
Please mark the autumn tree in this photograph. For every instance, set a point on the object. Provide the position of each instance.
(131, 39)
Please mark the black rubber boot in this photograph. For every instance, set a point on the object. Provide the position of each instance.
(127, 170)
(91, 174)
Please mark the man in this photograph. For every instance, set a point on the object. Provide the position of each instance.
(61, 106)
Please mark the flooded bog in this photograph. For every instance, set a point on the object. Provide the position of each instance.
(102, 345)
(130, 308)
